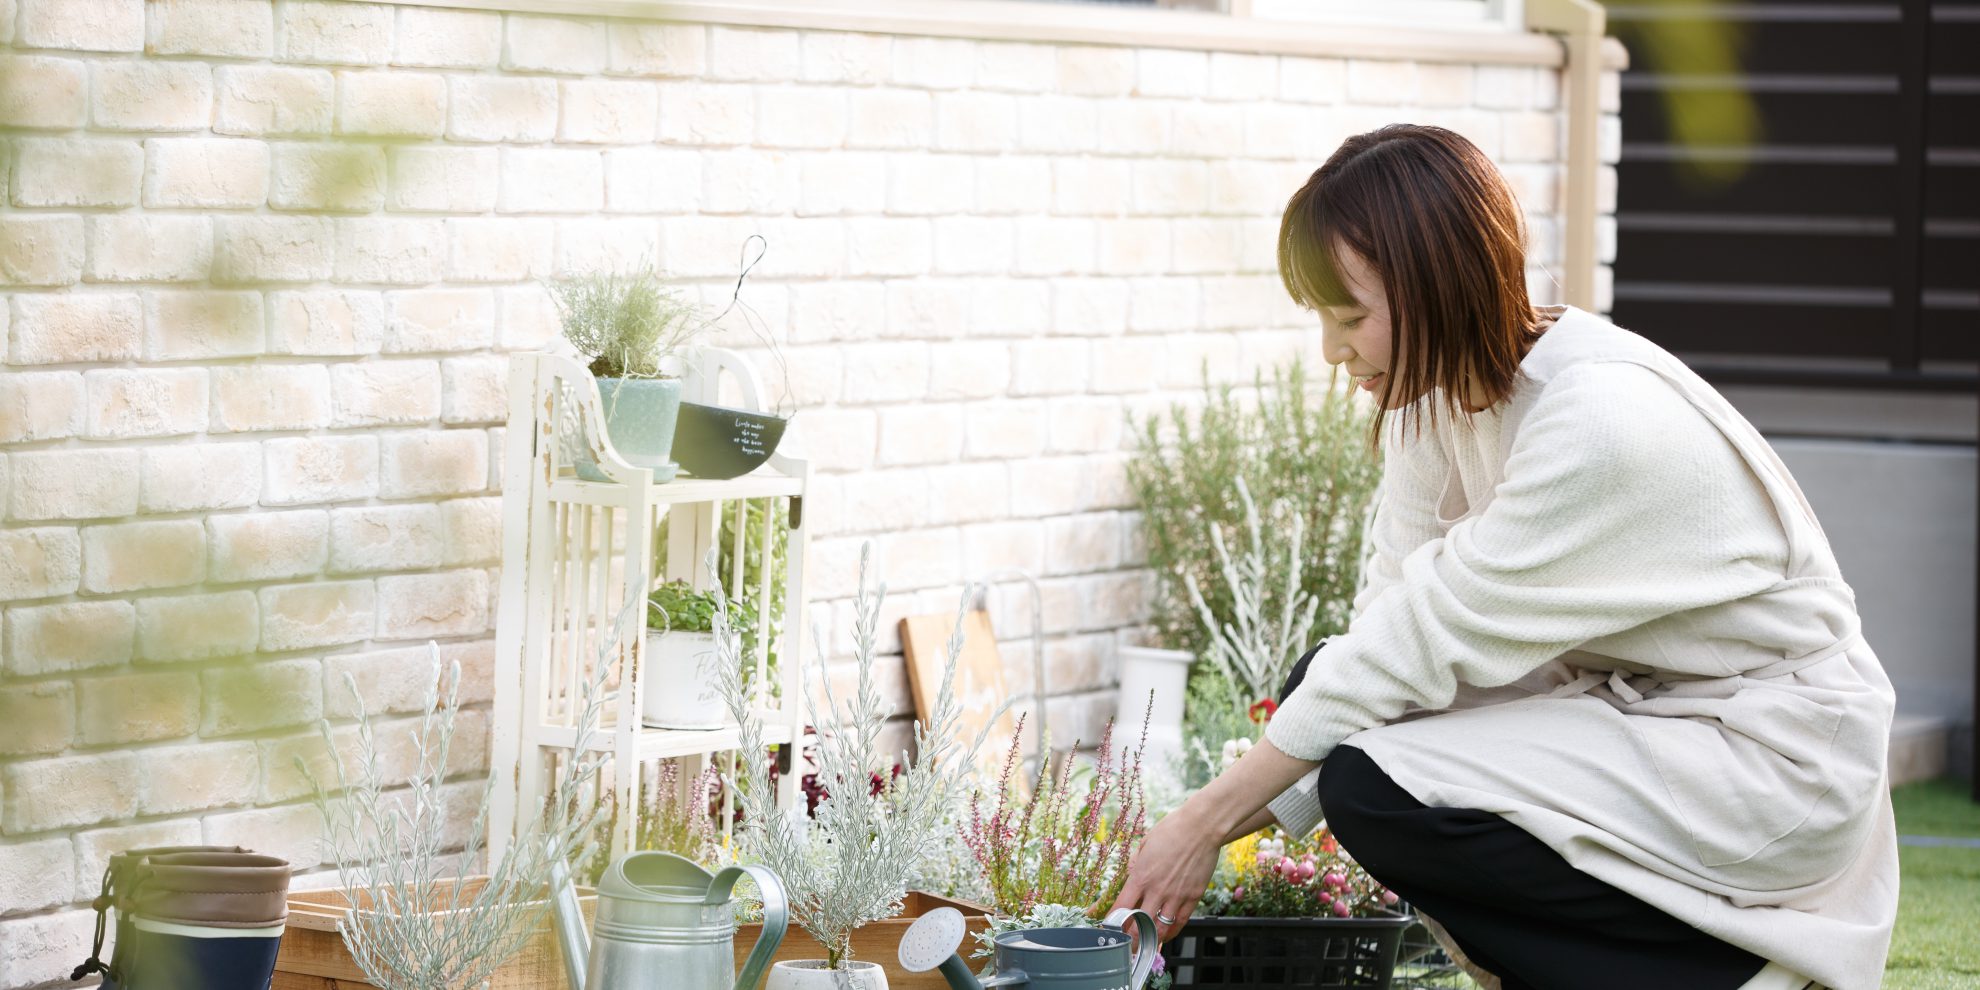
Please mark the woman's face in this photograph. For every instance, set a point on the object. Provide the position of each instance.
(1356, 336)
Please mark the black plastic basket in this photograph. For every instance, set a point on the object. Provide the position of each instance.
(1315, 953)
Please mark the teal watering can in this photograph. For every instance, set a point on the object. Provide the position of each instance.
(1102, 958)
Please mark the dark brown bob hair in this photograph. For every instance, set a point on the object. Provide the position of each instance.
(1437, 222)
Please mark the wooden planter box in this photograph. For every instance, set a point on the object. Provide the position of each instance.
(879, 942)
(312, 954)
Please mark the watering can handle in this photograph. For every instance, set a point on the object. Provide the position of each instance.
(776, 918)
(1151, 946)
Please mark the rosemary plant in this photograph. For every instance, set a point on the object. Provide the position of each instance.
(625, 322)
(870, 841)
(1253, 650)
(414, 923)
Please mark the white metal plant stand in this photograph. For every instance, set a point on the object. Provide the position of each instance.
(578, 561)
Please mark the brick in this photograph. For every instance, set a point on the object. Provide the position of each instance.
(498, 109)
(447, 462)
(82, 25)
(332, 613)
(179, 779)
(39, 719)
(707, 113)
(385, 538)
(1017, 66)
(1381, 82)
(608, 112)
(138, 708)
(483, 249)
(38, 562)
(225, 173)
(1444, 85)
(1171, 187)
(1090, 186)
(1134, 126)
(616, 245)
(443, 179)
(151, 95)
(292, 832)
(837, 311)
(1532, 136)
(274, 100)
(391, 104)
(801, 117)
(149, 248)
(1212, 130)
(888, 247)
(448, 38)
(267, 546)
(70, 791)
(197, 477)
(374, 393)
(336, 31)
(934, 63)
(72, 634)
(652, 180)
(391, 250)
(471, 531)
(753, 54)
(1055, 245)
(147, 403)
(40, 405)
(1008, 184)
(320, 469)
(228, 28)
(552, 181)
(74, 484)
(842, 182)
(1010, 309)
(388, 681)
(36, 875)
(666, 50)
(195, 627)
(40, 250)
(261, 696)
(474, 389)
(967, 369)
(326, 323)
(1057, 123)
(554, 44)
(42, 92)
(76, 172)
(270, 397)
(328, 177)
(183, 325)
(1236, 76)
(43, 948)
(1004, 429)
(1171, 72)
(1049, 367)
(141, 555)
(74, 327)
(884, 118)
(272, 249)
(746, 180)
(454, 603)
(983, 122)
(927, 309)
(1132, 246)
(1086, 70)
(927, 184)
(1312, 80)
(94, 848)
(839, 56)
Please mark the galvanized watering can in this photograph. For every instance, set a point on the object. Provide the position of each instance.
(665, 922)
(1100, 958)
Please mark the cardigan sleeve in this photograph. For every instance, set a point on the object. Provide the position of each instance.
(1600, 525)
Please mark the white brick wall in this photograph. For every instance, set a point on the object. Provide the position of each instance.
(263, 264)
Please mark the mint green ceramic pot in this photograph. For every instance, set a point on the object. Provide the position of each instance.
(639, 417)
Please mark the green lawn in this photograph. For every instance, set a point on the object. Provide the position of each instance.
(1937, 944)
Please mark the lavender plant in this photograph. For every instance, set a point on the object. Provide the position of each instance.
(868, 843)
(414, 923)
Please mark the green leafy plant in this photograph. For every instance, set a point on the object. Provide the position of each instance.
(677, 607)
(1302, 450)
(625, 322)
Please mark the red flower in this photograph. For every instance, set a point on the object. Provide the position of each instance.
(1263, 710)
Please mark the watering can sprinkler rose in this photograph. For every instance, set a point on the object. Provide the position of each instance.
(1103, 958)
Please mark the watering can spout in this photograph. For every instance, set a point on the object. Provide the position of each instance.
(571, 936)
(931, 943)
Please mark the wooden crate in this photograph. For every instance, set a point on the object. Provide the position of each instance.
(878, 942)
(312, 954)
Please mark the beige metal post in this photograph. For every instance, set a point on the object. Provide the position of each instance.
(1583, 22)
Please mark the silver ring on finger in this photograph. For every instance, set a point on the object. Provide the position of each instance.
(1165, 919)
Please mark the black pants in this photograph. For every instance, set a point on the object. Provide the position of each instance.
(1514, 905)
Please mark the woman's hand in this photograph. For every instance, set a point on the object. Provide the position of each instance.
(1172, 869)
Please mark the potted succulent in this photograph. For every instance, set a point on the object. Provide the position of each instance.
(682, 689)
(629, 325)
(875, 833)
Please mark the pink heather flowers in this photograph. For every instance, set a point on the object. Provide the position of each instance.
(1059, 846)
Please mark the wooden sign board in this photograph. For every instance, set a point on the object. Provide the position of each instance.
(979, 684)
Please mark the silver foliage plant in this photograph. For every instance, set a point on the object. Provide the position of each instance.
(868, 843)
(413, 923)
(1253, 650)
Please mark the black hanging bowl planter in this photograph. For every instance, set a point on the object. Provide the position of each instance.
(717, 443)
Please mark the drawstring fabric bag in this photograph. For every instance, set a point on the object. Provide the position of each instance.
(191, 916)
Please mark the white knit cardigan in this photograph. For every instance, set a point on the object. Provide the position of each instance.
(1604, 610)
